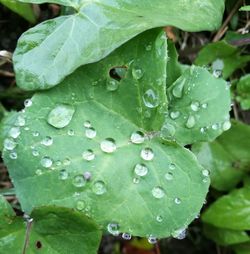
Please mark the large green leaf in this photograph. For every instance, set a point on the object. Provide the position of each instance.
(230, 211)
(227, 157)
(243, 92)
(243, 248)
(79, 151)
(23, 9)
(52, 230)
(47, 53)
(199, 106)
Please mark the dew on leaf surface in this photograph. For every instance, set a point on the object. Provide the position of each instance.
(169, 176)
(35, 133)
(172, 166)
(46, 162)
(137, 137)
(147, 154)
(168, 130)
(112, 85)
(108, 145)
(13, 155)
(137, 73)
(179, 234)
(87, 124)
(141, 169)
(9, 144)
(195, 105)
(80, 205)
(151, 99)
(174, 114)
(152, 239)
(159, 218)
(87, 175)
(158, 192)
(79, 181)
(20, 121)
(88, 155)
(205, 172)
(14, 132)
(27, 103)
(177, 201)
(99, 188)
(226, 125)
(63, 174)
(113, 228)
(136, 180)
(190, 122)
(178, 88)
(71, 132)
(204, 105)
(47, 141)
(90, 133)
(126, 236)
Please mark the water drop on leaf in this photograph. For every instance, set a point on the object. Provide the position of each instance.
(108, 145)
(140, 170)
(178, 88)
(151, 99)
(46, 162)
(113, 228)
(28, 103)
(174, 114)
(47, 141)
(158, 192)
(137, 137)
(190, 122)
(99, 188)
(9, 144)
(14, 132)
(90, 133)
(137, 73)
(169, 176)
(112, 85)
(13, 155)
(80, 205)
(126, 236)
(152, 239)
(63, 175)
(147, 154)
(79, 181)
(226, 125)
(88, 155)
(195, 105)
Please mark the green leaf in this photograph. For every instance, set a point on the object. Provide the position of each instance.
(23, 9)
(227, 157)
(223, 57)
(52, 230)
(243, 248)
(243, 92)
(225, 236)
(199, 106)
(230, 211)
(245, 8)
(93, 164)
(104, 26)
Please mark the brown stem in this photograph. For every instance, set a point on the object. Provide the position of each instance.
(27, 235)
(157, 249)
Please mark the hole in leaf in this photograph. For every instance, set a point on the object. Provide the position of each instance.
(38, 245)
(118, 72)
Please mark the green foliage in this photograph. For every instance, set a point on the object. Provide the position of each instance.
(103, 27)
(227, 157)
(23, 9)
(243, 92)
(51, 230)
(245, 8)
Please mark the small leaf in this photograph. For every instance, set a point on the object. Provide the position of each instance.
(243, 92)
(199, 107)
(227, 157)
(104, 26)
(230, 211)
(245, 8)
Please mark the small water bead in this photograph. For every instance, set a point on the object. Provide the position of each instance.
(136, 180)
(169, 176)
(39, 172)
(112, 85)
(99, 188)
(205, 172)
(63, 175)
(168, 130)
(20, 121)
(61, 115)
(226, 125)
(79, 181)
(14, 132)
(126, 236)
(177, 201)
(137, 73)
(88, 155)
(46, 162)
(203, 130)
(195, 105)
(28, 103)
(80, 205)
(13, 155)
(159, 218)
(108, 145)
(87, 124)
(152, 239)
(151, 99)
(35, 134)
(148, 47)
(35, 152)
(26, 128)
(179, 234)
(66, 161)
(87, 176)
(217, 73)
(175, 114)
(9, 144)
(178, 88)
(58, 163)
(140, 170)
(113, 228)
(147, 154)
(90, 133)
(215, 126)
(172, 166)
(190, 122)
(47, 141)
(71, 132)
(204, 105)
(137, 137)
(158, 192)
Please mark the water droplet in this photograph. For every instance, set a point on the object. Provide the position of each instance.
(9, 144)
(61, 115)
(63, 175)
(108, 145)
(140, 170)
(150, 99)
(112, 85)
(159, 218)
(177, 201)
(80, 205)
(35, 153)
(168, 131)
(226, 125)
(148, 47)
(137, 137)
(20, 121)
(87, 124)
(66, 161)
(35, 134)
(152, 239)
(137, 73)
(71, 132)
(99, 188)
(218, 64)
(217, 73)
(203, 130)
(88, 155)
(147, 154)
(26, 128)
(28, 103)
(87, 175)
(158, 192)
(215, 126)
(14, 132)
(46, 162)
(204, 105)
(79, 181)
(47, 141)
(179, 234)
(169, 176)
(126, 236)
(178, 88)
(195, 105)
(90, 133)
(190, 122)
(175, 114)
(136, 180)
(113, 228)
(205, 172)
(39, 172)
(13, 155)
(172, 166)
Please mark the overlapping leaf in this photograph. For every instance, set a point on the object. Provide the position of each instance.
(97, 28)
(243, 92)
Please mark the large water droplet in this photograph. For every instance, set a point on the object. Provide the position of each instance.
(14, 132)
(108, 145)
(90, 132)
(158, 192)
(141, 169)
(126, 236)
(137, 137)
(151, 99)
(137, 73)
(61, 115)
(168, 131)
(195, 105)
(190, 122)
(63, 175)
(175, 114)
(28, 103)
(226, 125)
(9, 144)
(112, 85)
(113, 228)
(88, 155)
(99, 188)
(147, 154)
(79, 181)
(47, 141)
(178, 88)
(46, 162)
